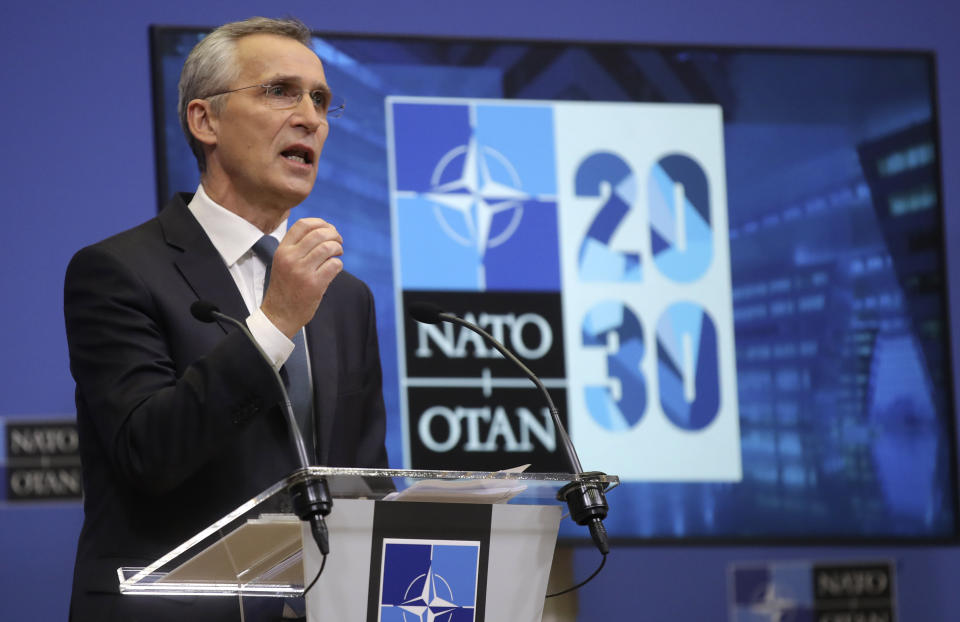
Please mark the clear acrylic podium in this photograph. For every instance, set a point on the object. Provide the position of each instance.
(404, 545)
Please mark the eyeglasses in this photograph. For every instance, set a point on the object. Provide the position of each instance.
(281, 96)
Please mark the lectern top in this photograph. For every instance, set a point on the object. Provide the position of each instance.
(255, 549)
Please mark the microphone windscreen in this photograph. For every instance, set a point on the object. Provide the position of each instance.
(204, 310)
(425, 312)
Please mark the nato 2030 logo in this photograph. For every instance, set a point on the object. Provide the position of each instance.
(428, 580)
(619, 210)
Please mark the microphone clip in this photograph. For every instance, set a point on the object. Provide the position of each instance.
(588, 505)
(311, 503)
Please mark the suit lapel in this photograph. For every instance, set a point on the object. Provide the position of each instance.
(200, 263)
(203, 269)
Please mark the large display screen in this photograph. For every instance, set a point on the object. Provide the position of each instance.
(727, 265)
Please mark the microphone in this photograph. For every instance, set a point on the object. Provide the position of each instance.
(310, 497)
(585, 498)
(426, 312)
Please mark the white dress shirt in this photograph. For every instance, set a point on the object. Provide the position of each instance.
(234, 237)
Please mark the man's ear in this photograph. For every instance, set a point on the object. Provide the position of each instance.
(202, 121)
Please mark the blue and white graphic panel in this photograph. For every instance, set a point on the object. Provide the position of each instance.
(647, 298)
(618, 212)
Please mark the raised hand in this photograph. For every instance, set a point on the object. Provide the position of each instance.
(305, 263)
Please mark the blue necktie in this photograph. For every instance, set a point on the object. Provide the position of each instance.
(295, 371)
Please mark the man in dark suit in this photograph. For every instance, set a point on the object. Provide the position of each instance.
(180, 421)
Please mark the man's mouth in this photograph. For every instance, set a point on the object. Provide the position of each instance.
(302, 156)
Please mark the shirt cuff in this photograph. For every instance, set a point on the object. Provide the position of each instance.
(273, 342)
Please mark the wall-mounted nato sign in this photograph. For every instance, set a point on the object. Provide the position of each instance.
(40, 460)
(726, 264)
(590, 238)
(813, 591)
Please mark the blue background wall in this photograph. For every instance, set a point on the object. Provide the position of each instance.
(78, 165)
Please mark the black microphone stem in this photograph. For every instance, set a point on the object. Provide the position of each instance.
(584, 496)
(561, 431)
(298, 445)
(311, 496)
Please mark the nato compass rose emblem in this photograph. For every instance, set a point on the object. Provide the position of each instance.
(476, 196)
(429, 599)
(773, 606)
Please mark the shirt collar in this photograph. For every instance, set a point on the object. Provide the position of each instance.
(231, 235)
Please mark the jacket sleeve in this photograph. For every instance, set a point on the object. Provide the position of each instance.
(372, 451)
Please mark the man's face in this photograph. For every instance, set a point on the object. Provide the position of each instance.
(268, 157)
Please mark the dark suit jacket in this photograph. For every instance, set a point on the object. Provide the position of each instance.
(180, 421)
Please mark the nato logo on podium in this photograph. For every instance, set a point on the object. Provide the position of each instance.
(429, 580)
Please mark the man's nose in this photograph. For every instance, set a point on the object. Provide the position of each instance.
(307, 113)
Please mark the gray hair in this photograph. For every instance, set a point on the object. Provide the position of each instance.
(211, 66)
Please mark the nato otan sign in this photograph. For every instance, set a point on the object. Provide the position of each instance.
(592, 239)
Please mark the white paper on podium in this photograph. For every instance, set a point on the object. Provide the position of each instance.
(463, 491)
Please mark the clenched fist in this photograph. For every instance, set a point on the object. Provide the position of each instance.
(305, 263)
